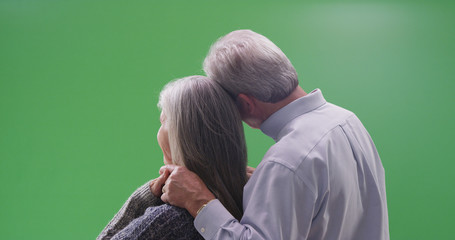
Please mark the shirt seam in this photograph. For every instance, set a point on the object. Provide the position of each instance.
(323, 137)
(273, 160)
(325, 134)
(357, 140)
(290, 120)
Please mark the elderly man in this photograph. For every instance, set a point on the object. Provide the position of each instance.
(322, 179)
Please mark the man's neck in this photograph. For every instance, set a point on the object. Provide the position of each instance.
(271, 108)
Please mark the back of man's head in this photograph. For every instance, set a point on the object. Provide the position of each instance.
(246, 62)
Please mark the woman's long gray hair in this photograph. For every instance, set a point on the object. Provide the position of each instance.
(206, 136)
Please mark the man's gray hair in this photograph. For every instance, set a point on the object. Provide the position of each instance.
(246, 62)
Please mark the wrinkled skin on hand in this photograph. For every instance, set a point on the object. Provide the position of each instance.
(184, 189)
(180, 187)
(156, 185)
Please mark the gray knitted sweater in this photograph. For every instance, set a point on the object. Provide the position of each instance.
(144, 216)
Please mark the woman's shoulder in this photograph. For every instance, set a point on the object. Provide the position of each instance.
(169, 222)
(166, 211)
(159, 223)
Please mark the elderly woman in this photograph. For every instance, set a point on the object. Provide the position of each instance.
(200, 129)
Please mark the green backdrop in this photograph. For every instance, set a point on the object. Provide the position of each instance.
(79, 82)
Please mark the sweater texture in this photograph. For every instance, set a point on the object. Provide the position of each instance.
(144, 216)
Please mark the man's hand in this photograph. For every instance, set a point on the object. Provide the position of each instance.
(156, 185)
(249, 171)
(184, 189)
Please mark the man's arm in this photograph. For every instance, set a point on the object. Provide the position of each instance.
(277, 203)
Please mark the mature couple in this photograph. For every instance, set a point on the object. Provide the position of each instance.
(322, 179)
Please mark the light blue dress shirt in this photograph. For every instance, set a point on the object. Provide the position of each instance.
(322, 179)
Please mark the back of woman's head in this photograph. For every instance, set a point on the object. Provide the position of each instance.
(206, 135)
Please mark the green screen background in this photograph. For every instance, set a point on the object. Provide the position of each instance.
(79, 83)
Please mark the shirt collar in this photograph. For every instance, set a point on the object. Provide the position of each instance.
(273, 125)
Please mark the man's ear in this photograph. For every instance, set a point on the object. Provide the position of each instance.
(250, 110)
(246, 104)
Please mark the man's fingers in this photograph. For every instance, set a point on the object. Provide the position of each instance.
(157, 184)
(249, 171)
(164, 198)
(167, 184)
(155, 187)
(165, 192)
(167, 181)
(168, 167)
(162, 169)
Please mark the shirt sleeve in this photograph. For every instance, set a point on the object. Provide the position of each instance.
(278, 205)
